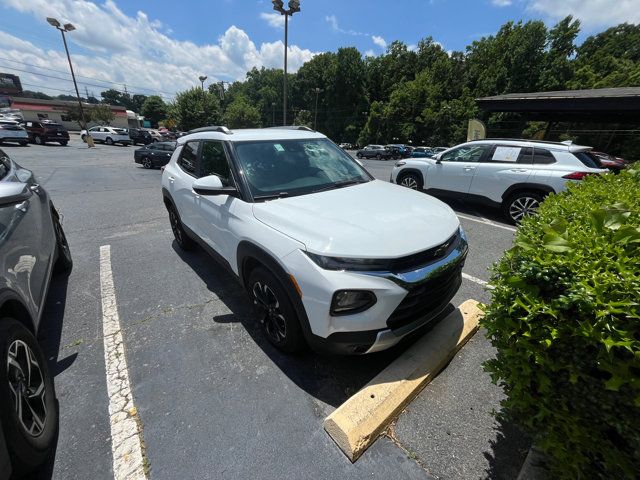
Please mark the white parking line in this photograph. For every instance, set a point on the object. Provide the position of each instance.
(485, 222)
(477, 280)
(126, 444)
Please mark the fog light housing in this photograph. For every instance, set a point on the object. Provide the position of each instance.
(348, 302)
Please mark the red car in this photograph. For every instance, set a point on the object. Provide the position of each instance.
(615, 164)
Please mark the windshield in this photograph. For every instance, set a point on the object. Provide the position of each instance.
(277, 168)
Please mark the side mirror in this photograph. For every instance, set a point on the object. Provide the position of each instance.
(12, 193)
(212, 185)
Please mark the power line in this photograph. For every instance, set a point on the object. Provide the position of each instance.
(82, 76)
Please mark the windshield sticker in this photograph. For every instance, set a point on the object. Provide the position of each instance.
(278, 147)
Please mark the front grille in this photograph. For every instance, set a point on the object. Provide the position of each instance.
(417, 260)
(426, 298)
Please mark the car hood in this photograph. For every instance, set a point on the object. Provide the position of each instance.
(370, 220)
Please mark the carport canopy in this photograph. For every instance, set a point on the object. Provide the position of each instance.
(620, 105)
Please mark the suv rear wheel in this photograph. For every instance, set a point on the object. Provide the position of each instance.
(38, 140)
(109, 141)
(520, 205)
(28, 410)
(275, 311)
(182, 239)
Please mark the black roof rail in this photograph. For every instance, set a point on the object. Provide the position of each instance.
(295, 127)
(530, 140)
(212, 128)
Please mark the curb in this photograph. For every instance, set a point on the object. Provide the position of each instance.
(533, 466)
(358, 422)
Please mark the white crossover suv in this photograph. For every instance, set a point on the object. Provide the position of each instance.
(515, 175)
(108, 135)
(329, 256)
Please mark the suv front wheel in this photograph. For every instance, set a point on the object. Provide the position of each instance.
(520, 205)
(275, 311)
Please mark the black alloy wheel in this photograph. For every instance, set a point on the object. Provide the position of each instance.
(28, 409)
(275, 311)
(146, 163)
(182, 239)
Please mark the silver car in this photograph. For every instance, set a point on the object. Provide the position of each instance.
(32, 247)
(108, 135)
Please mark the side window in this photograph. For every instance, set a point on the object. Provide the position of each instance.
(188, 157)
(214, 162)
(511, 154)
(468, 153)
(543, 156)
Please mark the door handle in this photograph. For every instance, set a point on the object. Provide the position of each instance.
(518, 170)
(171, 179)
(469, 169)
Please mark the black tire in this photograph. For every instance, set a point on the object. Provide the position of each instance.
(64, 143)
(410, 180)
(147, 163)
(84, 138)
(182, 239)
(29, 442)
(64, 262)
(520, 205)
(275, 311)
(154, 140)
(109, 141)
(379, 157)
(24, 144)
(358, 155)
(37, 139)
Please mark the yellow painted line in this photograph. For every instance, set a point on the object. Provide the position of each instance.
(358, 422)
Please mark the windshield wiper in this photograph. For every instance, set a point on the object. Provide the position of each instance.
(340, 184)
(272, 196)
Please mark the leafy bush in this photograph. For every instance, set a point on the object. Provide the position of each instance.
(565, 320)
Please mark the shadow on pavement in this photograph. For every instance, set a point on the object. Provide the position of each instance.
(508, 451)
(331, 379)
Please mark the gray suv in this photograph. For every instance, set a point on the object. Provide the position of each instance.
(32, 247)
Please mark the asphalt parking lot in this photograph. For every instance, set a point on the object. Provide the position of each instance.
(215, 400)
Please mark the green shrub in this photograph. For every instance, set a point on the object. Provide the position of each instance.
(565, 320)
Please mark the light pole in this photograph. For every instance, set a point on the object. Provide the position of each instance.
(278, 6)
(67, 27)
(202, 78)
(315, 115)
(273, 114)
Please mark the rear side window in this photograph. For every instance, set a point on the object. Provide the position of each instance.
(542, 156)
(588, 159)
(511, 154)
(214, 162)
(188, 158)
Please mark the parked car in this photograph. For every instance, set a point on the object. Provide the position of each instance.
(614, 164)
(515, 175)
(346, 146)
(41, 132)
(155, 135)
(140, 136)
(329, 256)
(32, 247)
(108, 135)
(154, 155)
(12, 131)
(437, 150)
(422, 152)
(374, 151)
(398, 151)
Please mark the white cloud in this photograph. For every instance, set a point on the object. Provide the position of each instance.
(592, 13)
(369, 53)
(501, 3)
(274, 20)
(132, 50)
(381, 42)
(333, 22)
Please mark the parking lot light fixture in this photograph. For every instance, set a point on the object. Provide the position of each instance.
(317, 90)
(68, 27)
(294, 7)
(202, 78)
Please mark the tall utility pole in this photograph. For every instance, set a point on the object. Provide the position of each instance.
(278, 6)
(315, 115)
(273, 114)
(67, 27)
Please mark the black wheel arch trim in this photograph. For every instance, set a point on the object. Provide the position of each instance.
(540, 187)
(23, 315)
(406, 171)
(248, 251)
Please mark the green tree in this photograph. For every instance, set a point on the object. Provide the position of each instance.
(154, 109)
(73, 112)
(240, 114)
(303, 118)
(559, 66)
(195, 108)
(102, 114)
(137, 101)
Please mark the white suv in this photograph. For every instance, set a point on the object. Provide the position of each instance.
(513, 174)
(327, 253)
(108, 135)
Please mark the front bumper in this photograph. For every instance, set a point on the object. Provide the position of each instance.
(369, 331)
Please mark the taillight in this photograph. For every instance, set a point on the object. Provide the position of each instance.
(577, 175)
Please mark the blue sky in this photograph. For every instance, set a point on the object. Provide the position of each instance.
(162, 45)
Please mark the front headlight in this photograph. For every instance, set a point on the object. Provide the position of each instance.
(347, 302)
(356, 264)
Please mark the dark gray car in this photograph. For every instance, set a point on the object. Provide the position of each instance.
(374, 151)
(32, 247)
